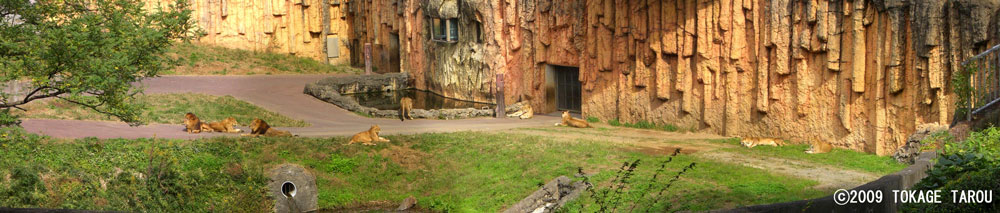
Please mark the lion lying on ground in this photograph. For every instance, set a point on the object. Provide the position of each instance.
(226, 125)
(751, 142)
(819, 146)
(194, 125)
(368, 137)
(524, 111)
(260, 128)
(568, 120)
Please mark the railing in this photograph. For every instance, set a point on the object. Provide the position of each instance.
(982, 73)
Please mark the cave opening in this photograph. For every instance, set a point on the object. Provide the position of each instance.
(563, 87)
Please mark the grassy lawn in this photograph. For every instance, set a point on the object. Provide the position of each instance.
(843, 158)
(167, 109)
(201, 59)
(464, 171)
(640, 125)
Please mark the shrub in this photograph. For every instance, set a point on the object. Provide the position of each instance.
(26, 188)
(973, 164)
(615, 122)
(644, 125)
(7, 119)
(629, 192)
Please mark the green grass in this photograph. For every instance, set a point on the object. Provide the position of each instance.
(167, 109)
(464, 172)
(710, 185)
(202, 59)
(592, 119)
(881, 165)
(643, 125)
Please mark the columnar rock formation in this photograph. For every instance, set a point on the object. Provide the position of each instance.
(297, 27)
(860, 74)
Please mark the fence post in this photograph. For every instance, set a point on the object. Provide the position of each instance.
(368, 58)
(500, 111)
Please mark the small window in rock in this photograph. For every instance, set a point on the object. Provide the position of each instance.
(438, 26)
(453, 29)
(479, 32)
(444, 30)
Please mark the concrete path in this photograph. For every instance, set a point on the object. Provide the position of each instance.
(279, 93)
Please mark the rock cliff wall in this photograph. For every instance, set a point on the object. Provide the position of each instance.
(860, 74)
(297, 27)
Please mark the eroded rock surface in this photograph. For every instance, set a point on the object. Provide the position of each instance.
(860, 73)
(298, 27)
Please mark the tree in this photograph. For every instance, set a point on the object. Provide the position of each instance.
(87, 52)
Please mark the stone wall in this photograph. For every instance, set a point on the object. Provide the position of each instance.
(860, 74)
(296, 27)
(331, 89)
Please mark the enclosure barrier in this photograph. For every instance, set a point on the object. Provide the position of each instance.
(982, 73)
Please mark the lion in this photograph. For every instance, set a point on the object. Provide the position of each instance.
(568, 120)
(260, 128)
(819, 146)
(368, 137)
(226, 125)
(206, 128)
(194, 125)
(525, 111)
(405, 105)
(751, 142)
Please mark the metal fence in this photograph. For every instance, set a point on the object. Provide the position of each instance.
(984, 81)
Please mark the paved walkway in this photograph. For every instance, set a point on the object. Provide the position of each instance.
(279, 93)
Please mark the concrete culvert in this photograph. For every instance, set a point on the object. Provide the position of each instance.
(293, 189)
(288, 189)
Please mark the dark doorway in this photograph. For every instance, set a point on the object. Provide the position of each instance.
(394, 62)
(568, 93)
(356, 54)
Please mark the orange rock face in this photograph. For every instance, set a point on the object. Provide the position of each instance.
(297, 27)
(861, 74)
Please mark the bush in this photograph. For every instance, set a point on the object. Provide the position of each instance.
(25, 189)
(973, 164)
(141, 175)
(615, 122)
(644, 125)
(630, 192)
(7, 119)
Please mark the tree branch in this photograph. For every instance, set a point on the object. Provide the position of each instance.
(92, 107)
(33, 93)
(30, 98)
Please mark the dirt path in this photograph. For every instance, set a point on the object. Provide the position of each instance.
(647, 141)
(698, 144)
(278, 93)
(829, 177)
